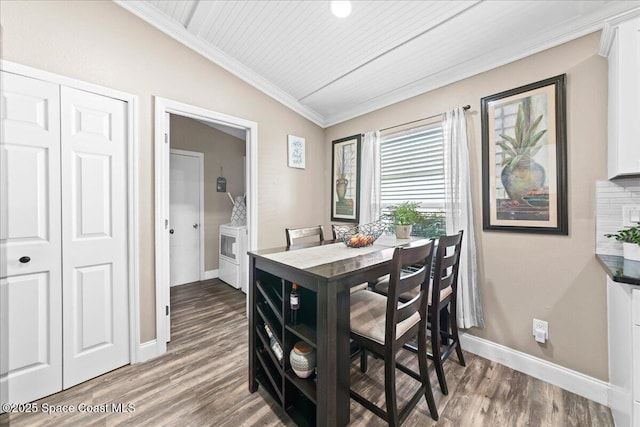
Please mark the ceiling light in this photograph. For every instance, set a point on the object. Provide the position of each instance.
(341, 9)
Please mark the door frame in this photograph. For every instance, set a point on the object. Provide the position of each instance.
(136, 350)
(161, 149)
(200, 157)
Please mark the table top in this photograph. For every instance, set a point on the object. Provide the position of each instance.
(332, 259)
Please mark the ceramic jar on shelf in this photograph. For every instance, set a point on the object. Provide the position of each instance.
(303, 359)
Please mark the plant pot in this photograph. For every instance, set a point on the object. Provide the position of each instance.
(524, 177)
(631, 251)
(403, 231)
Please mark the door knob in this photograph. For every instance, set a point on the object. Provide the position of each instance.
(24, 259)
(195, 225)
(171, 231)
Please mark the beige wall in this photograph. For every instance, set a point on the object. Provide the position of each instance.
(522, 276)
(220, 150)
(101, 43)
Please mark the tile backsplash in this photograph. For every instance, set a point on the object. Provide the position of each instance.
(610, 197)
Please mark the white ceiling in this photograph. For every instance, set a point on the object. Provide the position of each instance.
(330, 69)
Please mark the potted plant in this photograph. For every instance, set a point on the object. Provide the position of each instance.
(403, 217)
(630, 238)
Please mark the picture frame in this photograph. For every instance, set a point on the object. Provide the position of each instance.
(524, 160)
(296, 151)
(345, 179)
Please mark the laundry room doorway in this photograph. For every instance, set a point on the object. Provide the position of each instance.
(241, 181)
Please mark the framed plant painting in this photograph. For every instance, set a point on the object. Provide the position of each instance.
(345, 179)
(524, 164)
(296, 152)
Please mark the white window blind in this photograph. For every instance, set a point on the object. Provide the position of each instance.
(412, 168)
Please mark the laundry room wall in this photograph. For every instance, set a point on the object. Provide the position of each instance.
(220, 150)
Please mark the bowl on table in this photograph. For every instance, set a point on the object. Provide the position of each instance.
(361, 235)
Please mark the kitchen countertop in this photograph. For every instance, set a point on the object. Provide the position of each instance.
(620, 269)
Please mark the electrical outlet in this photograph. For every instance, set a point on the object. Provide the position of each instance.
(543, 327)
(630, 215)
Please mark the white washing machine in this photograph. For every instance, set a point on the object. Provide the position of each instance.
(234, 261)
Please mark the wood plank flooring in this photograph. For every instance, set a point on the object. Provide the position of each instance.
(202, 381)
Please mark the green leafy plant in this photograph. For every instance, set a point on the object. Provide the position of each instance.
(405, 213)
(524, 145)
(627, 235)
(433, 225)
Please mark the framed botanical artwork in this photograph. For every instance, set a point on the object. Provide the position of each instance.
(295, 151)
(524, 160)
(345, 179)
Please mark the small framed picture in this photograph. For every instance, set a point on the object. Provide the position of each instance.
(296, 151)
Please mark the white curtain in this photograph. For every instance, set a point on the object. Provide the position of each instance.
(370, 178)
(459, 216)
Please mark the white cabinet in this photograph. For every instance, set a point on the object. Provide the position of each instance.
(623, 306)
(621, 44)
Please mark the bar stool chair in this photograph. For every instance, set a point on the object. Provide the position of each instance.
(299, 233)
(382, 325)
(443, 305)
(441, 314)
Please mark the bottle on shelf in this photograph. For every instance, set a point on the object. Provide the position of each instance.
(277, 350)
(294, 302)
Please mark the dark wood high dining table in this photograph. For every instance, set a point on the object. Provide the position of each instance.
(323, 401)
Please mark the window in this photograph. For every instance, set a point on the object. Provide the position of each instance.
(412, 169)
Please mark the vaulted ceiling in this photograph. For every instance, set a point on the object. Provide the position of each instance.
(332, 69)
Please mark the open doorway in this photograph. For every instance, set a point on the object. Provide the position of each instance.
(166, 113)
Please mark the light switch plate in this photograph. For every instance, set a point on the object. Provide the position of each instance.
(630, 215)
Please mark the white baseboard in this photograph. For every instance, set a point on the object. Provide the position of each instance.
(147, 350)
(211, 274)
(567, 379)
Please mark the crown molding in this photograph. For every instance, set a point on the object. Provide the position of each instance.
(609, 30)
(157, 19)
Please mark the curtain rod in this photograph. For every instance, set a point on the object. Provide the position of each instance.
(466, 107)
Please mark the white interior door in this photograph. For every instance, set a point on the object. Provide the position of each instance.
(30, 276)
(94, 239)
(184, 216)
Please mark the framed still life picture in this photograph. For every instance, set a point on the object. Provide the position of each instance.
(295, 151)
(524, 164)
(345, 179)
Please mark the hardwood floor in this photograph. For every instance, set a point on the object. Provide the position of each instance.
(202, 381)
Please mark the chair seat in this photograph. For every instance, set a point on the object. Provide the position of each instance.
(368, 311)
(383, 287)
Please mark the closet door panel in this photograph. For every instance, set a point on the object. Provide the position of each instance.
(30, 240)
(95, 295)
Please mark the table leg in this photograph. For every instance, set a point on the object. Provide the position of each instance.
(333, 357)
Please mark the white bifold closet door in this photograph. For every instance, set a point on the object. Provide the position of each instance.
(31, 276)
(94, 235)
(64, 307)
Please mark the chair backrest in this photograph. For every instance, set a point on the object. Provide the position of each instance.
(298, 233)
(339, 230)
(445, 269)
(403, 281)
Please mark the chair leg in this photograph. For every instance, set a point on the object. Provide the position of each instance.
(454, 333)
(363, 360)
(424, 373)
(390, 390)
(435, 351)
